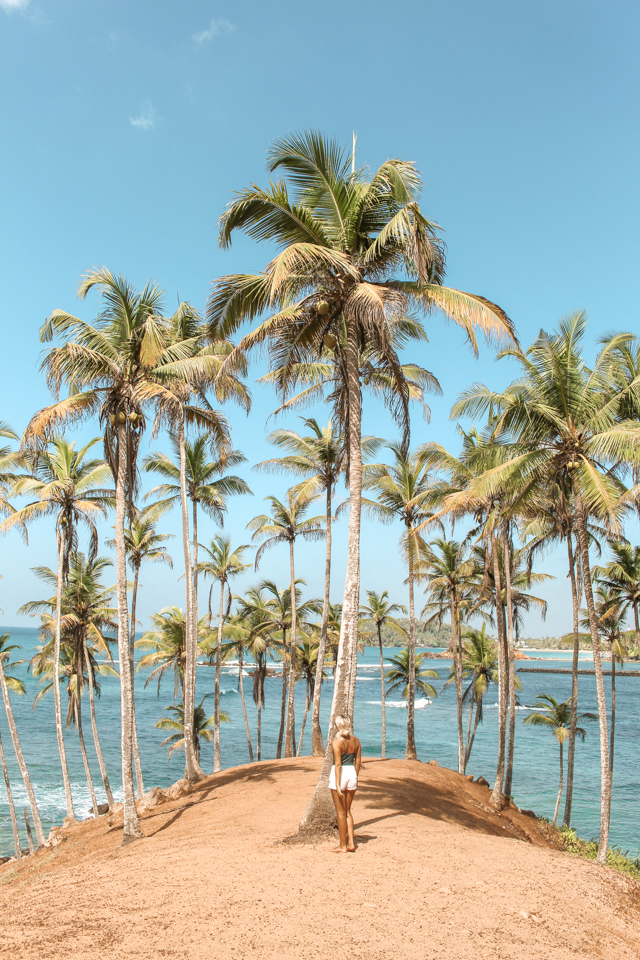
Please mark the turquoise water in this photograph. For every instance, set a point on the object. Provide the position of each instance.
(536, 758)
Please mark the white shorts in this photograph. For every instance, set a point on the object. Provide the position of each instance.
(348, 778)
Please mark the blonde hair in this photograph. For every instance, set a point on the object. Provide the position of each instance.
(343, 724)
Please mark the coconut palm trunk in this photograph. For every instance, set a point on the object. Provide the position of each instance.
(605, 779)
(566, 822)
(457, 665)
(56, 684)
(410, 751)
(319, 814)
(244, 705)
(26, 779)
(468, 739)
(475, 728)
(497, 795)
(12, 809)
(511, 663)
(134, 728)
(283, 699)
(555, 815)
(85, 759)
(194, 604)
(383, 698)
(304, 720)
(216, 695)
(318, 745)
(193, 771)
(289, 745)
(132, 830)
(94, 727)
(613, 717)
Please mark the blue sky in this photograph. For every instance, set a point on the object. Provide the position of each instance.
(127, 125)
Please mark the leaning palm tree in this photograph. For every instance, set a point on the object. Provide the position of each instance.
(6, 681)
(566, 420)
(285, 523)
(356, 253)
(557, 717)
(399, 676)
(380, 611)
(622, 575)
(10, 803)
(142, 544)
(67, 485)
(405, 492)
(87, 623)
(222, 565)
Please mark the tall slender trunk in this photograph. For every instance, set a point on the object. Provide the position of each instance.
(85, 760)
(20, 758)
(259, 731)
(383, 699)
(320, 813)
(317, 742)
(244, 705)
(410, 751)
(132, 830)
(134, 730)
(12, 809)
(605, 781)
(497, 795)
(304, 720)
(194, 607)
(216, 696)
(193, 770)
(511, 663)
(637, 625)
(612, 734)
(56, 682)
(555, 816)
(457, 669)
(566, 822)
(289, 745)
(473, 701)
(283, 701)
(94, 726)
(475, 727)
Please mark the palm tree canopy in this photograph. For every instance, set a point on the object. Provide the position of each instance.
(286, 522)
(556, 717)
(398, 675)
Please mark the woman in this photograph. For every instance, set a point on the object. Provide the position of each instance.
(343, 781)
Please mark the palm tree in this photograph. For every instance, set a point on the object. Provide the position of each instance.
(285, 523)
(142, 543)
(381, 613)
(207, 485)
(405, 491)
(256, 613)
(399, 676)
(238, 638)
(318, 458)
(568, 422)
(557, 717)
(622, 575)
(448, 570)
(6, 681)
(202, 727)
(307, 660)
(69, 487)
(10, 803)
(167, 641)
(223, 564)
(480, 662)
(86, 615)
(356, 253)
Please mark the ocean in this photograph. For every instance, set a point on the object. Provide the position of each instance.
(535, 780)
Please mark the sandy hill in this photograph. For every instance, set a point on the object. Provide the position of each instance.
(436, 874)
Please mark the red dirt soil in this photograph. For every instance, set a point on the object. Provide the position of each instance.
(436, 874)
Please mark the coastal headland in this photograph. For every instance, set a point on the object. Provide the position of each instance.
(437, 874)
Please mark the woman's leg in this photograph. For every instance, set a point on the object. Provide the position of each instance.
(341, 811)
(349, 795)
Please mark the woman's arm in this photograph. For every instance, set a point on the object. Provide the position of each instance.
(337, 759)
(358, 757)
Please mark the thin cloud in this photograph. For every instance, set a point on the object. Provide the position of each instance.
(14, 4)
(215, 29)
(146, 119)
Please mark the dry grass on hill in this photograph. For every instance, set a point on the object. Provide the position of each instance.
(436, 874)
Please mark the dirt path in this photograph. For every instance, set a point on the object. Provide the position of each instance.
(436, 874)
